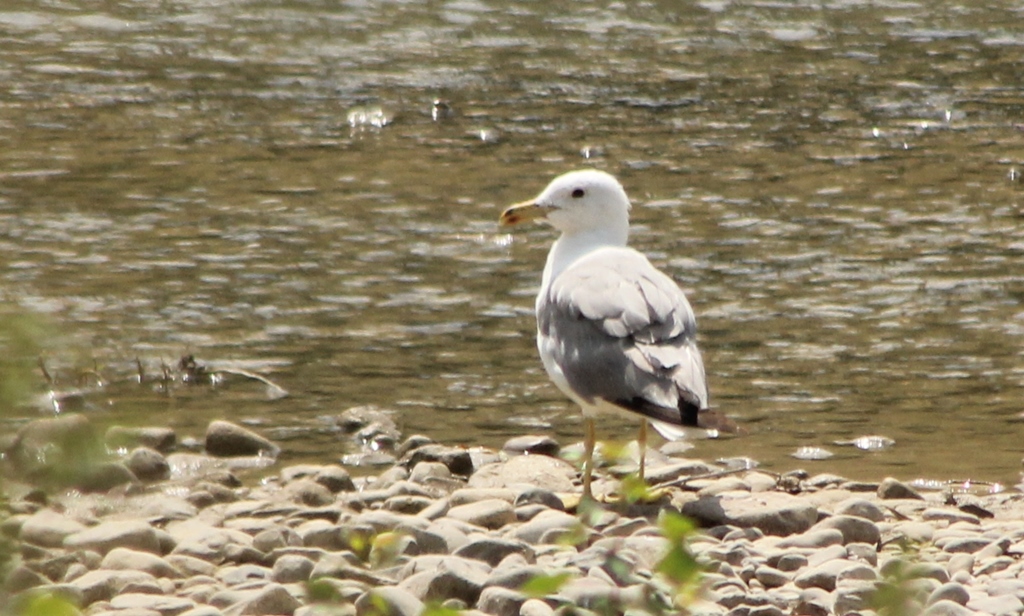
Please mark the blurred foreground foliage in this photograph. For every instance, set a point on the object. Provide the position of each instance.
(22, 340)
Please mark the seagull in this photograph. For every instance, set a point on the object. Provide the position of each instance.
(615, 334)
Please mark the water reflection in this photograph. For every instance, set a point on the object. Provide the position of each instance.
(836, 185)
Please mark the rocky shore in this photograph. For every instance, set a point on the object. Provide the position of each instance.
(229, 531)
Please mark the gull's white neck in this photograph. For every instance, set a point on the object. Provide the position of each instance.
(571, 246)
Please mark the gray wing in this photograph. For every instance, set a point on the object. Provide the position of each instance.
(623, 332)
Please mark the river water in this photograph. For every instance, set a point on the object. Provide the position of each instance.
(270, 186)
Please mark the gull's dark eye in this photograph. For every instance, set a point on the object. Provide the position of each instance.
(578, 193)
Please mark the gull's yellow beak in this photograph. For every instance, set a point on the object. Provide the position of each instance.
(522, 212)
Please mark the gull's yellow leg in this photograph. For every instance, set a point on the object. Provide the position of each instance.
(588, 456)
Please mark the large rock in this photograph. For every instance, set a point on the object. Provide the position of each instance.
(226, 439)
(148, 464)
(132, 534)
(272, 599)
(550, 525)
(492, 513)
(891, 488)
(493, 550)
(104, 584)
(772, 513)
(527, 472)
(854, 529)
(49, 528)
(451, 578)
(132, 560)
(140, 603)
(388, 601)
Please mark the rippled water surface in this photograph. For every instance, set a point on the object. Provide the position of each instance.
(269, 186)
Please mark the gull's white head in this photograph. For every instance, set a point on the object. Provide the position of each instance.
(577, 202)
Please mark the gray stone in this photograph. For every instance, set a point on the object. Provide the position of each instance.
(190, 566)
(725, 484)
(292, 568)
(346, 566)
(309, 493)
(200, 540)
(593, 594)
(771, 577)
(458, 460)
(945, 607)
(790, 562)
(966, 545)
(407, 503)
(832, 552)
(527, 472)
(676, 469)
(994, 565)
(853, 597)
(500, 601)
(428, 472)
(547, 524)
(861, 508)
(126, 559)
(202, 610)
(917, 532)
(235, 575)
(952, 516)
(821, 576)
(163, 605)
(493, 550)
(814, 602)
(127, 438)
(455, 534)
(856, 571)
(538, 496)
(104, 584)
(132, 534)
(532, 444)
(960, 562)
(1001, 604)
(226, 439)
(863, 552)
(271, 599)
(465, 496)
(950, 591)
(49, 528)
(388, 601)
(437, 578)
(491, 513)
(854, 529)
(1005, 586)
(815, 538)
(335, 478)
(148, 464)
(536, 607)
(891, 488)
(274, 538)
(772, 513)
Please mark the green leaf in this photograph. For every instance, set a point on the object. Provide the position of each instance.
(436, 609)
(544, 585)
(48, 604)
(322, 591)
(679, 566)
